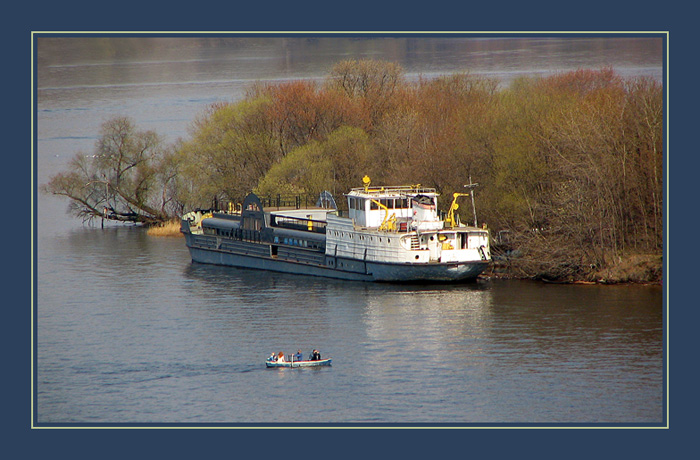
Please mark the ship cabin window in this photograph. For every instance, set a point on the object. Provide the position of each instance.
(356, 203)
(356, 209)
(297, 242)
(390, 203)
(462, 241)
(363, 210)
(359, 204)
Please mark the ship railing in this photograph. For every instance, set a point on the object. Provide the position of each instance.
(297, 223)
(243, 234)
(403, 225)
(402, 189)
(288, 201)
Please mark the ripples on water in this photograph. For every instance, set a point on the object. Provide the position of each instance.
(133, 332)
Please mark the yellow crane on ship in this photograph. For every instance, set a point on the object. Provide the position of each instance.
(389, 222)
(450, 220)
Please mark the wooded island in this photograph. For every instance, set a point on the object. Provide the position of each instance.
(570, 166)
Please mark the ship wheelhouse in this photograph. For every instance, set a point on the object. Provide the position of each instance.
(402, 225)
(392, 208)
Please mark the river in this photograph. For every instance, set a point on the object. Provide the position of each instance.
(130, 331)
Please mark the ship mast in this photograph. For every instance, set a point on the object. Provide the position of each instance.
(471, 186)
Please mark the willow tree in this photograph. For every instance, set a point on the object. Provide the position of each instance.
(125, 179)
(230, 147)
(336, 164)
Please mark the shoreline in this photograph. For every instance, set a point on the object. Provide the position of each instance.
(600, 282)
(614, 276)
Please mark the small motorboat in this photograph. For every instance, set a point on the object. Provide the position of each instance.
(320, 362)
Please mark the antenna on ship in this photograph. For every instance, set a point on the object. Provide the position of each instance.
(471, 186)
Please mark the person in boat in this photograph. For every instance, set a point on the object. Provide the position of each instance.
(280, 357)
(299, 356)
(315, 355)
(273, 357)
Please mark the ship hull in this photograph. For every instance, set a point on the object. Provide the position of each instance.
(251, 255)
(319, 242)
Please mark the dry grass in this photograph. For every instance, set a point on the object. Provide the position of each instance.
(636, 268)
(168, 229)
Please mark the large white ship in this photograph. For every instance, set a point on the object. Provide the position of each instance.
(391, 234)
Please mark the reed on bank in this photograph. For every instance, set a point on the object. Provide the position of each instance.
(168, 229)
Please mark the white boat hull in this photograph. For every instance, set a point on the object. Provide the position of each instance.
(295, 364)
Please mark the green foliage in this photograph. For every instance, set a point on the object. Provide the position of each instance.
(335, 164)
(231, 147)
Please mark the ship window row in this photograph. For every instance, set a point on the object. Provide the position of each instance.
(360, 237)
(297, 242)
(356, 203)
(390, 203)
(218, 231)
(233, 233)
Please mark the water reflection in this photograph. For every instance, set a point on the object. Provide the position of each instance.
(426, 324)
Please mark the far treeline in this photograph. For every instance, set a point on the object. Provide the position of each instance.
(569, 166)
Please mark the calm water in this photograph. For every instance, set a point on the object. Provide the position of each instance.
(130, 331)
